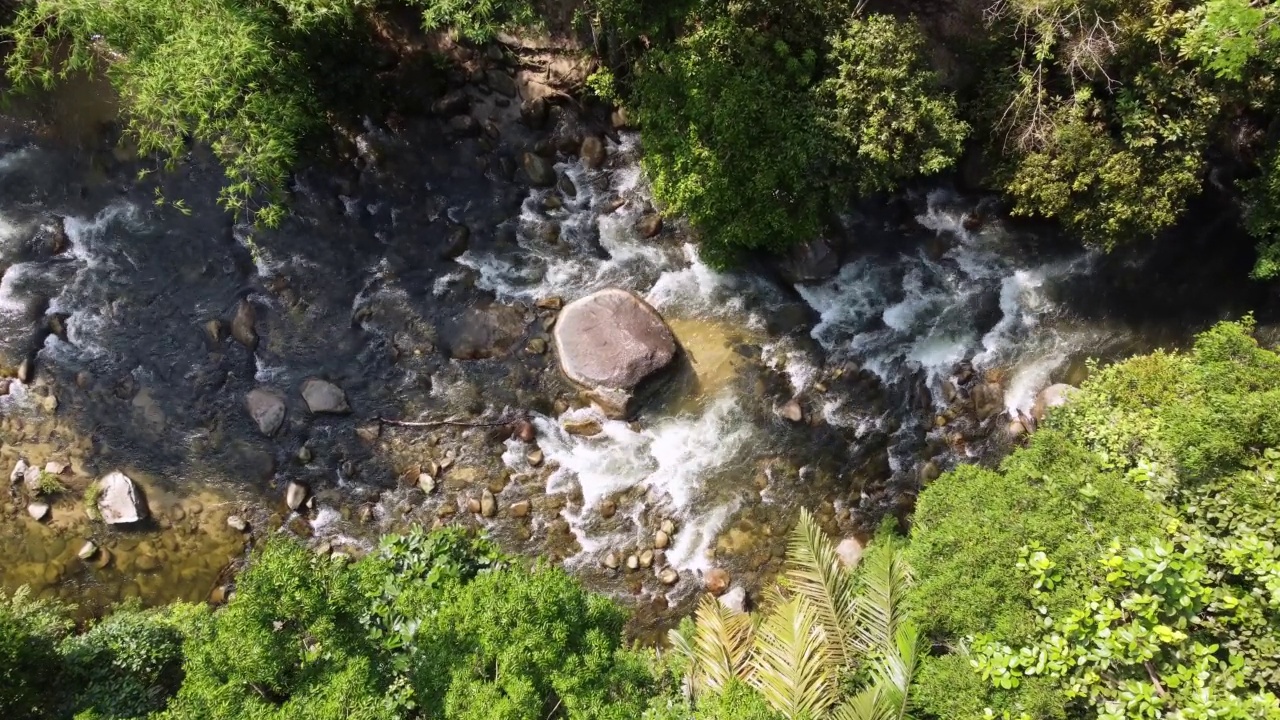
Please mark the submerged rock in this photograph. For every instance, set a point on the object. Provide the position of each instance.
(810, 262)
(323, 396)
(593, 152)
(38, 511)
(242, 325)
(481, 333)
(792, 411)
(649, 225)
(717, 581)
(120, 501)
(87, 551)
(610, 342)
(539, 169)
(267, 409)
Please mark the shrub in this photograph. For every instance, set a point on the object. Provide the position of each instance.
(30, 668)
(732, 139)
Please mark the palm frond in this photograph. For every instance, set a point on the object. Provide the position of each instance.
(815, 571)
(880, 607)
(791, 663)
(721, 646)
(892, 672)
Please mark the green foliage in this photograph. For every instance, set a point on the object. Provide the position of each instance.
(90, 500)
(830, 643)
(130, 663)
(49, 484)
(515, 644)
(475, 20)
(886, 110)
(731, 138)
(1179, 621)
(969, 528)
(30, 668)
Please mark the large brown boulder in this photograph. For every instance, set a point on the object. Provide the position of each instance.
(610, 342)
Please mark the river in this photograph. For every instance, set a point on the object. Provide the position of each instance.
(423, 248)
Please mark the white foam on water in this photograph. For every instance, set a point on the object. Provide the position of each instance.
(15, 159)
(801, 369)
(674, 460)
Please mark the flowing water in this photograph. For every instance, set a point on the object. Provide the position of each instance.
(369, 285)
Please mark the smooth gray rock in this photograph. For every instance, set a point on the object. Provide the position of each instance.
(120, 501)
(323, 396)
(267, 409)
(295, 494)
(612, 340)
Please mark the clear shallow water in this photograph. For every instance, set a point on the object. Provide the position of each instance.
(355, 288)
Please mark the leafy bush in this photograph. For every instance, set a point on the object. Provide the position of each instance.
(130, 663)
(731, 138)
(885, 109)
(30, 668)
(1151, 588)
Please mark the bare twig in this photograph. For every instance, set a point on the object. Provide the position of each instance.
(449, 423)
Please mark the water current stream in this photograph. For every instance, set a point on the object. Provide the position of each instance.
(428, 249)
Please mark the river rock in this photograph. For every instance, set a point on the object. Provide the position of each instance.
(582, 428)
(237, 523)
(717, 581)
(535, 457)
(810, 262)
(5, 385)
(735, 600)
(792, 411)
(649, 225)
(988, 400)
(19, 471)
(53, 467)
(481, 333)
(502, 83)
(31, 480)
(242, 325)
(661, 540)
(87, 551)
(38, 511)
(669, 576)
(488, 505)
(120, 500)
(323, 396)
(929, 472)
(633, 562)
(295, 494)
(520, 509)
(611, 561)
(267, 409)
(611, 341)
(646, 558)
(1052, 397)
(567, 187)
(452, 103)
(539, 169)
(593, 151)
(524, 430)
(534, 113)
(26, 370)
(849, 550)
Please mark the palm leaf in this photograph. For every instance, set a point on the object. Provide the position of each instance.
(892, 672)
(815, 571)
(792, 663)
(880, 607)
(721, 646)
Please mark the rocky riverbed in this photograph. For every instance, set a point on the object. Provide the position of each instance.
(388, 357)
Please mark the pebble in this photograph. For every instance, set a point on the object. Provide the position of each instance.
(608, 509)
(488, 505)
(611, 561)
(304, 454)
(87, 551)
(633, 562)
(535, 458)
(525, 431)
(661, 540)
(237, 523)
(646, 559)
(520, 509)
(473, 506)
(537, 346)
(426, 483)
(668, 527)
(669, 576)
(38, 510)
